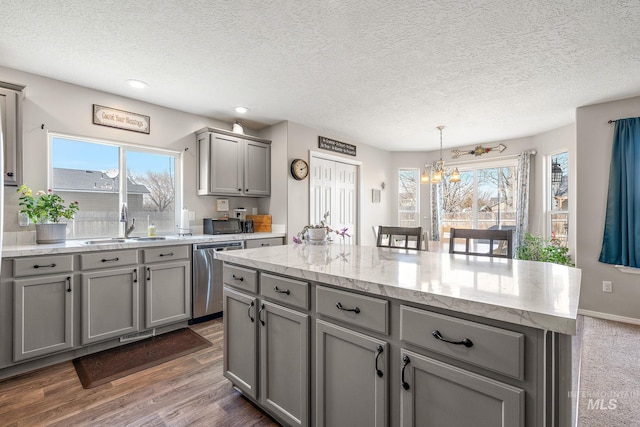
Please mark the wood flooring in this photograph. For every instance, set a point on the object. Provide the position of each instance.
(188, 391)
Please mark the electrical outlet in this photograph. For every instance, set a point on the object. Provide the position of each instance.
(607, 286)
(192, 215)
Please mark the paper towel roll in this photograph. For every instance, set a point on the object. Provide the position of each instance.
(184, 219)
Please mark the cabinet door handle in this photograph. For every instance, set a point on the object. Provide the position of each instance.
(405, 362)
(234, 277)
(339, 306)
(44, 266)
(135, 275)
(280, 291)
(69, 284)
(239, 189)
(9, 173)
(249, 311)
(148, 273)
(260, 314)
(169, 254)
(379, 351)
(110, 259)
(465, 341)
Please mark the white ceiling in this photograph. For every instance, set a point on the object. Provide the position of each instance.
(379, 72)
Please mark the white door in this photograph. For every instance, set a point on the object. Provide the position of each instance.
(334, 189)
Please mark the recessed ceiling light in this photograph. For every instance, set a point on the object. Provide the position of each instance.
(241, 110)
(138, 84)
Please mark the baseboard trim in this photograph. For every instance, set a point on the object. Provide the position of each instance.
(607, 316)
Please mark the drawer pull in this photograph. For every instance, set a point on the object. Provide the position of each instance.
(280, 291)
(249, 311)
(379, 351)
(265, 244)
(405, 362)
(339, 306)
(43, 266)
(110, 259)
(260, 314)
(234, 277)
(69, 284)
(169, 254)
(465, 341)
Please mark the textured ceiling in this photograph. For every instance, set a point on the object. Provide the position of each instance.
(380, 72)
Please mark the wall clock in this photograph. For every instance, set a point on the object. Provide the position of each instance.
(299, 169)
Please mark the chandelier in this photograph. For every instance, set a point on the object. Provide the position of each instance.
(436, 174)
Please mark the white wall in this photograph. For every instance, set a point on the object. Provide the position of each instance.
(594, 144)
(375, 170)
(67, 108)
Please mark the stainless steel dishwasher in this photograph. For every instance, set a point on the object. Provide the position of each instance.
(207, 279)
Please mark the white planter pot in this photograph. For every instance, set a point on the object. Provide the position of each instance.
(317, 234)
(51, 233)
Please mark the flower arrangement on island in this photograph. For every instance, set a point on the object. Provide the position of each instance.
(45, 207)
(312, 229)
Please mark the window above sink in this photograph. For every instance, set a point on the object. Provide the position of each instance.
(102, 175)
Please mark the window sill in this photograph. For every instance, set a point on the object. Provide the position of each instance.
(628, 270)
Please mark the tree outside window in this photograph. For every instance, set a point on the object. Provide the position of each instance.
(408, 198)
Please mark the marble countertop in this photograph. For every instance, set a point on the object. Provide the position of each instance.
(71, 246)
(540, 295)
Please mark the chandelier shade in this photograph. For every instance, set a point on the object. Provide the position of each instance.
(435, 173)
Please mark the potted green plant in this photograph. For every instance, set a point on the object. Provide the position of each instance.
(536, 248)
(45, 210)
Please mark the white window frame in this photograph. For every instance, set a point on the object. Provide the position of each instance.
(548, 206)
(417, 211)
(122, 149)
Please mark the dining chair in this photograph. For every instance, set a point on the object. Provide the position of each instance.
(504, 238)
(400, 237)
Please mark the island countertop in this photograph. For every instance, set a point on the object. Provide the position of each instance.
(536, 294)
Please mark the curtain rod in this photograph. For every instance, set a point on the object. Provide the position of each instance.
(611, 121)
(491, 159)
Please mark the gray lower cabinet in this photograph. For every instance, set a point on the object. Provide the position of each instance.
(352, 378)
(284, 363)
(110, 303)
(43, 315)
(241, 341)
(436, 394)
(167, 293)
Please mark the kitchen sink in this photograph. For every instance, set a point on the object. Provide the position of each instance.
(147, 239)
(103, 241)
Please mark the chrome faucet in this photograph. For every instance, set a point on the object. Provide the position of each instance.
(124, 217)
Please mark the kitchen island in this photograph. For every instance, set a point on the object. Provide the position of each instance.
(355, 335)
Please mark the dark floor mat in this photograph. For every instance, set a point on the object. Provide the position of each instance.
(99, 368)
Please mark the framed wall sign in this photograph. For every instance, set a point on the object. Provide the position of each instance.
(336, 146)
(111, 117)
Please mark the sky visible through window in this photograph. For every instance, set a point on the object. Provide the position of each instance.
(71, 154)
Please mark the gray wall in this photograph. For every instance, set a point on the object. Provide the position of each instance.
(594, 140)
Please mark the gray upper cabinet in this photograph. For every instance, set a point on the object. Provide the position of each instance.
(11, 117)
(43, 315)
(232, 165)
(438, 394)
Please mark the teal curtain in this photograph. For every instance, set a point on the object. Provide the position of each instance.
(621, 240)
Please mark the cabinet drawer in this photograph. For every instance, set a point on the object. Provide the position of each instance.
(366, 312)
(285, 291)
(166, 253)
(241, 278)
(108, 259)
(492, 348)
(37, 266)
(259, 243)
